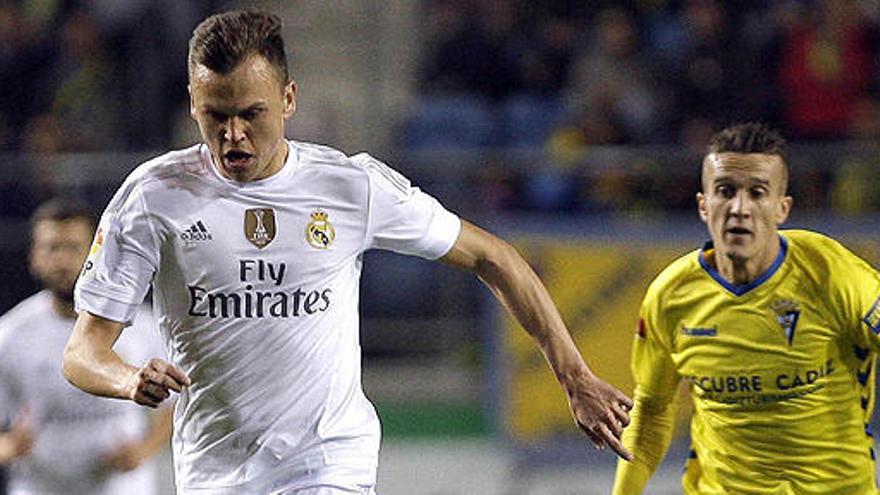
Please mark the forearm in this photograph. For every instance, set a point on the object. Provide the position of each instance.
(520, 290)
(648, 437)
(89, 362)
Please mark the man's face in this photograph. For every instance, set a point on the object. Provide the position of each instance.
(241, 117)
(58, 251)
(743, 202)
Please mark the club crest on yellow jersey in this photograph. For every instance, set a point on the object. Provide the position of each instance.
(259, 226)
(787, 314)
(320, 232)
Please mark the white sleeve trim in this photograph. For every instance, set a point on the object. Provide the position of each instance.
(443, 231)
(102, 301)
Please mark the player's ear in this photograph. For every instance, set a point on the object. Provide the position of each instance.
(289, 99)
(192, 103)
(701, 207)
(784, 209)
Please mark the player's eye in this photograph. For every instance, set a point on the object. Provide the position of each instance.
(725, 190)
(251, 114)
(758, 192)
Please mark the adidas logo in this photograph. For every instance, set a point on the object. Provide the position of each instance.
(196, 232)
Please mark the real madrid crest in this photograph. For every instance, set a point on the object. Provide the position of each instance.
(320, 232)
(787, 314)
(259, 226)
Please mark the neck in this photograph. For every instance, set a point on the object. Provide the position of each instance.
(63, 308)
(741, 271)
(279, 157)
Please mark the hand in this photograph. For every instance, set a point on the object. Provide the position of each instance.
(152, 384)
(19, 440)
(124, 457)
(600, 411)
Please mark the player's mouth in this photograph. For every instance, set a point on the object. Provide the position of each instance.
(737, 232)
(237, 160)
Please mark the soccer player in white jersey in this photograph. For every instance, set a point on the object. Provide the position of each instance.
(253, 245)
(62, 440)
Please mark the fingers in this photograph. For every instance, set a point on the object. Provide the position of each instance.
(594, 437)
(167, 375)
(602, 412)
(621, 415)
(601, 435)
(155, 381)
(613, 441)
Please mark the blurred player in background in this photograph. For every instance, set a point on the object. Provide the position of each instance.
(775, 334)
(253, 247)
(62, 440)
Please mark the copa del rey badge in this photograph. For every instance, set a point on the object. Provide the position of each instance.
(259, 226)
(320, 232)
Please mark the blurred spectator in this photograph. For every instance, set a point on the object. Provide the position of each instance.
(544, 59)
(469, 50)
(25, 49)
(86, 100)
(825, 70)
(612, 89)
(703, 69)
(61, 440)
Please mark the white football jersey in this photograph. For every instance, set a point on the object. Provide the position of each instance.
(256, 289)
(73, 429)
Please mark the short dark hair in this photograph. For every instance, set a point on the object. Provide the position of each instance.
(749, 137)
(222, 41)
(60, 209)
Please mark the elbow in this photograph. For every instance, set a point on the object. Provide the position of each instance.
(68, 364)
(496, 262)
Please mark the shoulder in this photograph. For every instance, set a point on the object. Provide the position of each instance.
(817, 250)
(676, 275)
(312, 154)
(170, 166)
(161, 171)
(358, 168)
(823, 257)
(812, 243)
(176, 163)
(24, 315)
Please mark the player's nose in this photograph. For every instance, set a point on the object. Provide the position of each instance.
(234, 129)
(740, 204)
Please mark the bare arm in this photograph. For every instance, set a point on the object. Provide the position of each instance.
(90, 364)
(599, 409)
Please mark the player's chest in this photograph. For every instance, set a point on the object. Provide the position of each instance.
(261, 240)
(777, 330)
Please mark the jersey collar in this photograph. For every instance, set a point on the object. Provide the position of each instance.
(290, 165)
(743, 288)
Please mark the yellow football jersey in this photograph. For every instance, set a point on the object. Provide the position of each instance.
(780, 370)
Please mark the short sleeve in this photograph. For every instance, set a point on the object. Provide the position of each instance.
(859, 297)
(653, 369)
(404, 219)
(122, 260)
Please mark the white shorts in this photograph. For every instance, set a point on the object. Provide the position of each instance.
(331, 480)
(331, 490)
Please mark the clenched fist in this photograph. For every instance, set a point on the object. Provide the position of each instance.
(153, 383)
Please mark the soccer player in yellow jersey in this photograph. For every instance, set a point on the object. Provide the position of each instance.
(775, 334)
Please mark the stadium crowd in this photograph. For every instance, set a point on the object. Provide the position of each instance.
(559, 78)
